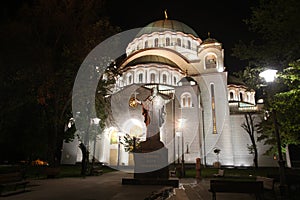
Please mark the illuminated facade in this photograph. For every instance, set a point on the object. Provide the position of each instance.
(206, 113)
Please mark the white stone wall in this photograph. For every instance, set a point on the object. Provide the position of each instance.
(240, 140)
(222, 139)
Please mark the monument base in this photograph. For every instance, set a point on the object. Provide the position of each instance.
(151, 160)
(151, 165)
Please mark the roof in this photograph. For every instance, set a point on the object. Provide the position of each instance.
(209, 41)
(234, 80)
(187, 80)
(166, 24)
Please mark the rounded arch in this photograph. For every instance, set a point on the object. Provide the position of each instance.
(178, 60)
(231, 95)
(241, 96)
(153, 76)
(129, 78)
(140, 76)
(165, 77)
(186, 100)
(210, 60)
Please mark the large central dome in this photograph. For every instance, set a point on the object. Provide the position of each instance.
(164, 25)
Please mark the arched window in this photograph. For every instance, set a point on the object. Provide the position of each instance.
(164, 77)
(152, 78)
(210, 61)
(156, 42)
(213, 108)
(231, 95)
(129, 79)
(146, 44)
(140, 78)
(241, 97)
(167, 41)
(178, 41)
(189, 44)
(186, 100)
(174, 80)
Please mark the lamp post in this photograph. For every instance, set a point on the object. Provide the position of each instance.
(178, 134)
(181, 125)
(94, 121)
(269, 76)
(119, 150)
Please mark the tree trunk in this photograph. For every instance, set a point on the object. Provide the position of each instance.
(84, 161)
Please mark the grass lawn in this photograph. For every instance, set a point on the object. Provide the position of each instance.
(39, 171)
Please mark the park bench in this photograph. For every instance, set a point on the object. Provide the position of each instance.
(268, 185)
(236, 186)
(11, 183)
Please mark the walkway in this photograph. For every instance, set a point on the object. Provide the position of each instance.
(108, 187)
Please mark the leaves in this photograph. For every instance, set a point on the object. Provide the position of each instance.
(42, 48)
(276, 45)
(277, 34)
(131, 144)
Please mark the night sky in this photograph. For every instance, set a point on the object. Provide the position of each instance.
(223, 19)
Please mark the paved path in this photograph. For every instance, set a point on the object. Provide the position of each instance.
(109, 187)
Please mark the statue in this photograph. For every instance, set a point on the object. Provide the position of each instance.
(154, 112)
(151, 159)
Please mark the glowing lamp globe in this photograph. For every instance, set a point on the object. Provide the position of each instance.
(269, 75)
(132, 102)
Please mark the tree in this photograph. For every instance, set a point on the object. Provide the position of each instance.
(250, 128)
(43, 47)
(277, 45)
(286, 103)
(277, 28)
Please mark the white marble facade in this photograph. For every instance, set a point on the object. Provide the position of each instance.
(169, 54)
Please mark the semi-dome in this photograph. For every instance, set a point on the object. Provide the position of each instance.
(187, 80)
(166, 24)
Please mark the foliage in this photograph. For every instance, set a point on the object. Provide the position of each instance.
(217, 151)
(250, 76)
(265, 132)
(131, 144)
(42, 48)
(276, 26)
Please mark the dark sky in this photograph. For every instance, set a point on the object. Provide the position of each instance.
(223, 19)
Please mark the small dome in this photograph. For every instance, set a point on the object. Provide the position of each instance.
(187, 80)
(209, 41)
(166, 24)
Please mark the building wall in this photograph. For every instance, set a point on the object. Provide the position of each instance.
(222, 139)
(240, 139)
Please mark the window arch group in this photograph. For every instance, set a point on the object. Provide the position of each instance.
(210, 61)
(186, 100)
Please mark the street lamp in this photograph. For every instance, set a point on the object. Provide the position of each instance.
(181, 125)
(95, 121)
(269, 76)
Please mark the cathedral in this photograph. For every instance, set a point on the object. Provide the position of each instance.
(206, 107)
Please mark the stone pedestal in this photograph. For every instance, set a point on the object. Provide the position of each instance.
(151, 165)
(151, 161)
